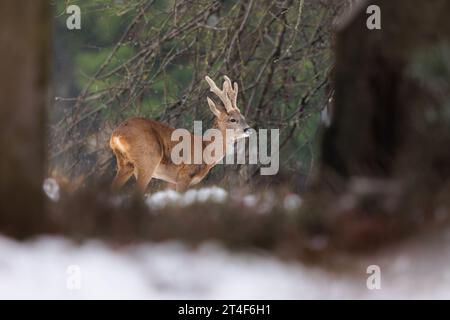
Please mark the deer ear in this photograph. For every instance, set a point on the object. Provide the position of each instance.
(213, 107)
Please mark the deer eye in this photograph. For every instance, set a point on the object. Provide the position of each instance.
(232, 120)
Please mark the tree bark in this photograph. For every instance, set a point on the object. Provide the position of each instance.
(377, 128)
(24, 36)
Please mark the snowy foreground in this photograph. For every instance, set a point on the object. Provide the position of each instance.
(55, 268)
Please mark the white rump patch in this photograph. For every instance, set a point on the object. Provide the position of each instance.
(119, 144)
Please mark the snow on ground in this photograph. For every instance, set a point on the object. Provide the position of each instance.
(55, 268)
(262, 203)
(161, 199)
(51, 189)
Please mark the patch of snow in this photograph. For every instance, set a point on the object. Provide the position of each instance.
(51, 189)
(55, 268)
(160, 199)
(292, 201)
(167, 197)
(211, 194)
(250, 200)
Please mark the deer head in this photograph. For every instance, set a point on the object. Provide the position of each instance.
(228, 114)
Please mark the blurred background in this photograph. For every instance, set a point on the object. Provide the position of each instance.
(359, 209)
(133, 58)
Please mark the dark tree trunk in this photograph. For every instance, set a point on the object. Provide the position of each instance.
(24, 37)
(385, 85)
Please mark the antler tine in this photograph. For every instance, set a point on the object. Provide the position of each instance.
(232, 93)
(222, 94)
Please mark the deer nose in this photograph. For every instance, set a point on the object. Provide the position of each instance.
(248, 130)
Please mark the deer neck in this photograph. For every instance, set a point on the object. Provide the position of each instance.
(227, 146)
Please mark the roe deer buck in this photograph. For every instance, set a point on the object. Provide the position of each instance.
(143, 147)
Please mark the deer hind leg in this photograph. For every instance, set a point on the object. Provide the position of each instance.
(145, 165)
(143, 174)
(124, 172)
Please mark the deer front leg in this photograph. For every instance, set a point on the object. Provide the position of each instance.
(182, 185)
(183, 180)
(171, 186)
